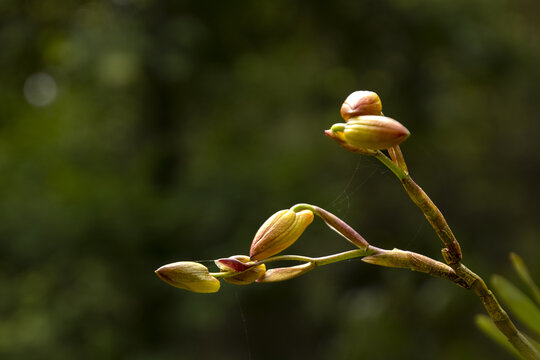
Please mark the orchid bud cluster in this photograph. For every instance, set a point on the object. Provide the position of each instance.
(365, 131)
(276, 234)
(366, 128)
(365, 125)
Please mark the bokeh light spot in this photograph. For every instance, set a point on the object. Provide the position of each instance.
(40, 89)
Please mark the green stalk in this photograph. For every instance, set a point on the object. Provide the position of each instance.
(373, 255)
(320, 261)
(399, 172)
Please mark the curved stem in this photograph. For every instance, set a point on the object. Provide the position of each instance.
(320, 261)
(389, 258)
(452, 252)
(399, 172)
(452, 255)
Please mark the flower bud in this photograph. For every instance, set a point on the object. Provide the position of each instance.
(286, 273)
(279, 232)
(190, 276)
(342, 228)
(416, 262)
(394, 258)
(361, 103)
(242, 264)
(374, 132)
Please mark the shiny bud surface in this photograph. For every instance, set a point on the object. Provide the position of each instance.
(374, 132)
(188, 275)
(361, 103)
(279, 232)
(286, 273)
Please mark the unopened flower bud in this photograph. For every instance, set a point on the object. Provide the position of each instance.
(279, 232)
(190, 276)
(374, 132)
(286, 273)
(395, 259)
(248, 272)
(416, 262)
(341, 228)
(361, 103)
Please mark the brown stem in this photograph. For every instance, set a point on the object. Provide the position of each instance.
(463, 277)
(452, 255)
(452, 252)
(498, 315)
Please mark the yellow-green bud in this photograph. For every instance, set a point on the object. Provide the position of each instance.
(361, 103)
(279, 232)
(243, 265)
(286, 273)
(190, 276)
(374, 132)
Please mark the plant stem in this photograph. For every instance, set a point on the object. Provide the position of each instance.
(399, 172)
(452, 252)
(324, 260)
(320, 261)
(452, 255)
(389, 258)
(498, 315)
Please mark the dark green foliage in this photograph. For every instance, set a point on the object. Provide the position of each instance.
(179, 126)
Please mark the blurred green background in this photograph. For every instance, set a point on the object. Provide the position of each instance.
(134, 133)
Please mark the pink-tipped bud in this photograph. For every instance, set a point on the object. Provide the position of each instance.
(361, 103)
(248, 271)
(279, 232)
(374, 132)
(190, 276)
